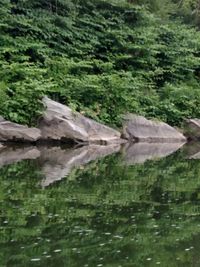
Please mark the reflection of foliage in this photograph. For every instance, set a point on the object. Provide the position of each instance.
(105, 213)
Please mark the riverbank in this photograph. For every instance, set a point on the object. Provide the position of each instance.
(101, 58)
(59, 123)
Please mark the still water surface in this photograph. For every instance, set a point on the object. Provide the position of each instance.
(83, 207)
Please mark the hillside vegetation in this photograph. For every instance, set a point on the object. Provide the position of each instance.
(103, 58)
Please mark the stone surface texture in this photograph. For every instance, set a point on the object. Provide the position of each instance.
(59, 122)
(140, 129)
(10, 131)
(192, 128)
(192, 150)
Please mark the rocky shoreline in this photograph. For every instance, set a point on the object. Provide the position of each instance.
(60, 124)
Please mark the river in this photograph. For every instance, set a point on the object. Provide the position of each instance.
(138, 205)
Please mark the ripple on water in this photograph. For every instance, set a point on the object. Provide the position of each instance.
(35, 259)
(57, 250)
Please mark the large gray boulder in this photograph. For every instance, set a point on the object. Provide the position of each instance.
(59, 122)
(10, 131)
(192, 128)
(140, 129)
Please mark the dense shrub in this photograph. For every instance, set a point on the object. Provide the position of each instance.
(103, 58)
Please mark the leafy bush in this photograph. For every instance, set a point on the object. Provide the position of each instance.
(103, 58)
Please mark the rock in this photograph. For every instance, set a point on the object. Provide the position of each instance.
(57, 163)
(10, 131)
(59, 122)
(192, 150)
(9, 155)
(192, 128)
(140, 152)
(140, 129)
(119, 141)
(195, 156)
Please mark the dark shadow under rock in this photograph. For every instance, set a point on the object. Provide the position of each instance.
(140, 152)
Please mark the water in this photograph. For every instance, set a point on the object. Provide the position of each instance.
(84, 207)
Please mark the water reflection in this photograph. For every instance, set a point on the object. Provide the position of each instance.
(192, 150)
(140, 152)
(105, 213)
(57, 163)
(11, 154)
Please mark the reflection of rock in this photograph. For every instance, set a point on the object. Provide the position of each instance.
(9, 155)
(195, 156)
(192, 150)
(143, 130)
(10, 131)
(57, 163)
(140, 152)
(59, 122)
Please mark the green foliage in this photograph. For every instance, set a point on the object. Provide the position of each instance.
(103, 58)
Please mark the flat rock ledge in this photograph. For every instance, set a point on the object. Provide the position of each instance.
(10, 132)
(138, 128)
(59, 122)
